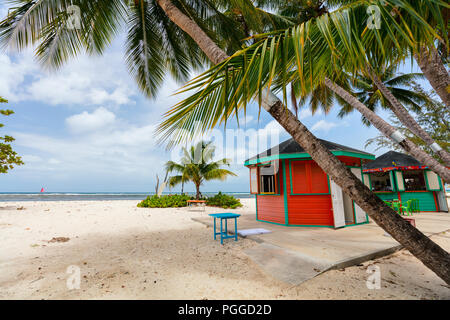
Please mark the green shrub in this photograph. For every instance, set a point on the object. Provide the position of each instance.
(168, 201)
(223, 201)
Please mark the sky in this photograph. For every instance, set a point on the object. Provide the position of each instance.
(88, 128)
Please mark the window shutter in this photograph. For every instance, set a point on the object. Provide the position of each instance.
(432, 180)
(400, 181)
(254, 180)
(391, 177)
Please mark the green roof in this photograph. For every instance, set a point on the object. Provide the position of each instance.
(290, 149)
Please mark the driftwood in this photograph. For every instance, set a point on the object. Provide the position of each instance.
(159, 189)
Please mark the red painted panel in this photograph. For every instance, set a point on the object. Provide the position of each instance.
(319, 181)
(270, 208)
(309, 209)
(350, 161)
(300, 177)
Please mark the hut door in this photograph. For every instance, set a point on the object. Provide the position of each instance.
(338, 205)
(442, 201)
(360, 215)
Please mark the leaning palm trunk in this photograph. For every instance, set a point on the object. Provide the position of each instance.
(434, 70)
(432, 255)
(408, 121)
(389, 131)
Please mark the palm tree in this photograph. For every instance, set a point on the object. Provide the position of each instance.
(401, 86)
(231, 84)
(25, 26)
(197, 165)
(398, 87)
(319, 8)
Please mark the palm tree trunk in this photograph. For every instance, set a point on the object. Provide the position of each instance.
(408, 121)
(197, 189)
(432, 255)
(434, 70)
(390, 132)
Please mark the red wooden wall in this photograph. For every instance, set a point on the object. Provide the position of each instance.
(314, 210)
(313, 207)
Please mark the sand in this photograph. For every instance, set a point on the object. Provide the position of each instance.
(125, 252)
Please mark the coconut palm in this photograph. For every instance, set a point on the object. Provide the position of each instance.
(247, 74)
(363, 88)
(26, 24)
(319, 8)
(401, 86)
(197, 165)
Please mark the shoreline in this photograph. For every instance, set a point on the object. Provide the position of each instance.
(99, 196)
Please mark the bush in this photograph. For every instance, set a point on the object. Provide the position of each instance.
(169, 201)
(223, 201)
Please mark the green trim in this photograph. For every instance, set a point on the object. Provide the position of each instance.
(311, 226)
(256, 200)
(354, 154)
(286, 213)
(355, 224)
(293, 225)
(354, 211)
(269, 194)
(306, 155)
(305, 194)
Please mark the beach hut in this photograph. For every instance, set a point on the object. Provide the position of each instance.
(396, 175)
(292, 190)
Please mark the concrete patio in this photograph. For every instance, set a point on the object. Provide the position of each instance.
(296, 254)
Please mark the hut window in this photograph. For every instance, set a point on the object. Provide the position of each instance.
(254, 180)
(381, 181)
(308, 178)
(414, 180)
(268, 178)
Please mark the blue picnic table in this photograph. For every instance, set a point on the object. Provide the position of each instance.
(224, 233)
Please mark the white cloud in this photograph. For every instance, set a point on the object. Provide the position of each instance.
(87, 122)
(27, 158)
(306, 113)
(107, 144)
(326, 126)
(13, 75)
(85, 81)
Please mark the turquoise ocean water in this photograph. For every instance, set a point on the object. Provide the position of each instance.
(93, 196)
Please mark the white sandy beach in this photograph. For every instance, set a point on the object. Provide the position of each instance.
(125, 252)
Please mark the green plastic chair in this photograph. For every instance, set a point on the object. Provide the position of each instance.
(397, 207)
(388, 203)
(415, 205)
(408, 209)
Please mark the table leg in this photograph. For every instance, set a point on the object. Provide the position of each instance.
(235, 229)
(226, 227)
(214, 228)
(221, 231)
